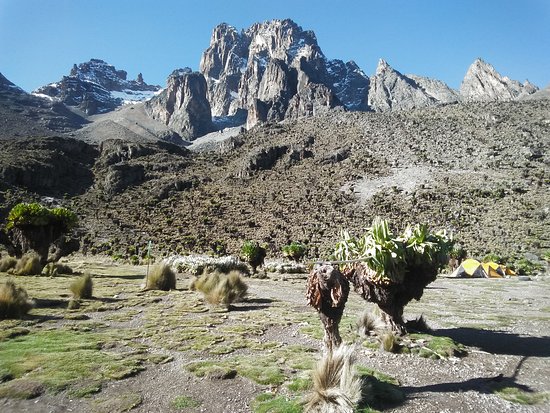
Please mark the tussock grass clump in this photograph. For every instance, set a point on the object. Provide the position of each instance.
(369, 324)
(52, 269)
(219, 288)
(161, 277)
(14, 301)
(82, 287)
(336, 387)
(389, 342)
(29, 264)
(7, 263)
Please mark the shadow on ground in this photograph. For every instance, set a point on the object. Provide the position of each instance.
(499, 342)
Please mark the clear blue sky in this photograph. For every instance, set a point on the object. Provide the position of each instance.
(40, 40)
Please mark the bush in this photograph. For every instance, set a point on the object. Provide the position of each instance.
(161, 277)
(492, 257)
(14, 301)
(253, 253)
(82, 287)
(524, 266)
(29, 264)
(7, 263)
(221, 288)
(295, 250)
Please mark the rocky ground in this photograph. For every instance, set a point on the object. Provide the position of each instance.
(477, 170)
(179, 354)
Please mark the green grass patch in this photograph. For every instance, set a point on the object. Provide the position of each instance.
(59, 359)
(185, 402)
(435, 347)
(520, 396)
(272, 369)
(300, 384)
(269, 403)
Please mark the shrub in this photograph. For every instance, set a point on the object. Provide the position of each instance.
(161, 277)
(524, 266)
(29, 264)
(7, 263)
(82, 287)
(14, 301)
(221, 288)
(253, 253)
(295, 250)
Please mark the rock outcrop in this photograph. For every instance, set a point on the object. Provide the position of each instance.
(483, 83)
(391, 90)
(183, 105)
(349, 83)
(261, 69)
(97, 87)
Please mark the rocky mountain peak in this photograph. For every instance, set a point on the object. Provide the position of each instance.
(96, 87)
(483, 83)
(391, 90)
(183, 105)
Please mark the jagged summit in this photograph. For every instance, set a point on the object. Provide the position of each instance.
(483, 83)
(96, 87)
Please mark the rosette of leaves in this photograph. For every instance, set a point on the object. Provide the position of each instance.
(253, 253)
(34, 214)
(295, 250)
(390, 257)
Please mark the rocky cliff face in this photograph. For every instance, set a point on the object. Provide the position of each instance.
(97, 87)
(262, 68)
(183, 105)
(391, 90)
(483, 83)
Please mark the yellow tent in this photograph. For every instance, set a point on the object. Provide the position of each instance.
(475, 269)
(470, 268)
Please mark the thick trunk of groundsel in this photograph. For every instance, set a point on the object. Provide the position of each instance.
(391, 298)
(45, 240)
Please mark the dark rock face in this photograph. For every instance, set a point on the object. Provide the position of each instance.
(97, 87)
(48, 166)
(483, 83)
(349, 83)
(183, 105)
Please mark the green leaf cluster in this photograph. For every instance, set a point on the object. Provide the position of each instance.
(391, 257)
(34, 214)
(295, 250)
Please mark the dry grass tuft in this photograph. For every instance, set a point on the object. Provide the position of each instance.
(369, 324)
(336, 387)
(161, 277)
(82, 287)
(389, 342)
(7, 263)
(14, 301)
(29, 264)
(219, 288)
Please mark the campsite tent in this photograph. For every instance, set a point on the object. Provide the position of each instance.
(475, 269)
